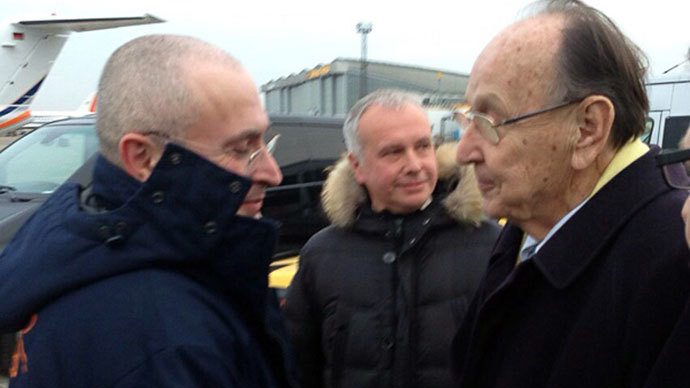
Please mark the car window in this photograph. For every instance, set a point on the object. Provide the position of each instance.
(648, 126)
(45, 158)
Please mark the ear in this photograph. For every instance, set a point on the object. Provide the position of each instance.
(139, 155)
(356, 167)
(594, 120)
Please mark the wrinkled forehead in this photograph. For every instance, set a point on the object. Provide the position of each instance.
(519, 63)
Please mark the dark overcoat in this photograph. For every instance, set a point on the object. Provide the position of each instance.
(594, 307)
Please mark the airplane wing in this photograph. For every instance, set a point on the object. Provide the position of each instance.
(28, 49)
(89, 24)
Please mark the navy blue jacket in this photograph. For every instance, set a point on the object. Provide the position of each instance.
(160, 284)
(595, 306)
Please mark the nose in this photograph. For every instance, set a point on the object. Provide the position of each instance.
(265, 170)
(468, 148)
(413, 162)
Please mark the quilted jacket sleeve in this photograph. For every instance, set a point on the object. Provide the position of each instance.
(303, 323)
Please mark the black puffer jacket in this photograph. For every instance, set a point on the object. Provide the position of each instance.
(378, 297)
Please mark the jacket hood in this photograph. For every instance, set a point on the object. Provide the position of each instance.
(342, 195)
(182, 217)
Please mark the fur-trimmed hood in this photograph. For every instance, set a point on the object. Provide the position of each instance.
(342, 195)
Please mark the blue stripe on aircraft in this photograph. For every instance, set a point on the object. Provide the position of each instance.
(23, 98)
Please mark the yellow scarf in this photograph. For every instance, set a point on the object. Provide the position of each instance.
(624, 157)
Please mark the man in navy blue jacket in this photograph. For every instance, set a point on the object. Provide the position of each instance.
(158, 277)
(590, 274)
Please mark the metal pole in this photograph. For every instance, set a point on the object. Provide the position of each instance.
(364, 29)
(363, 68)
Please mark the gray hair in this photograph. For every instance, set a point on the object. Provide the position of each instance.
(390, 98)
(595, 57)
(145, 86)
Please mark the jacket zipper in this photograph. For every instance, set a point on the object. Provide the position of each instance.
(398, 231)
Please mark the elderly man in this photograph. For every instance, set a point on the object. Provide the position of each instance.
(158, 276)
(591, 272)
(379, 293)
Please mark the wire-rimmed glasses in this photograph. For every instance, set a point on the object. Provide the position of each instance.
(488, 127)
(251, 160)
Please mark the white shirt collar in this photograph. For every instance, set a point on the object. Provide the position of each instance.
(529, 249)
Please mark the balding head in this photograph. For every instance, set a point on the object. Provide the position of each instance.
(573, 51)
(146, 86)
(522, 59)
(595, 57)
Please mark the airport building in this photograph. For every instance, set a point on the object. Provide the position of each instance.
(331, 89)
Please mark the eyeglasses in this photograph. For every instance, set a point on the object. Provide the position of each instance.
(675, 173)
(269, 148)
(235, 152)
(488, 128)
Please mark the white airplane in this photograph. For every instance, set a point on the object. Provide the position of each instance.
(28, 49)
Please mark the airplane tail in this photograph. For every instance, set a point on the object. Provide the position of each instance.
(28, 52)
(88, 106)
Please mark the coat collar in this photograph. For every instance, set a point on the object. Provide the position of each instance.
(186, 195)
(342, 196)
(182, 217)
(621, 198)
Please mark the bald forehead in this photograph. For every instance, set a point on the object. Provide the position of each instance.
(222, 86)
(378, 107)
(539, 33)
(521, 57)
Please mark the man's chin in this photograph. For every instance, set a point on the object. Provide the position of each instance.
(492, 209)
(250, 209)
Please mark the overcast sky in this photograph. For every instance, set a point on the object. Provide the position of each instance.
(276, 38)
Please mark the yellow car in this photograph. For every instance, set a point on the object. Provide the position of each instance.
(283, 269)
(280, 275)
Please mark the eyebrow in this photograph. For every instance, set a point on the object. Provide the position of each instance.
(244, 134)
(398, 144)
(389, 146)
(492, 101)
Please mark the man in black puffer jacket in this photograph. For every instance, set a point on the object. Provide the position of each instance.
(380, 292)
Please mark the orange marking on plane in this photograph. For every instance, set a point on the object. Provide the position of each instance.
(92, 105)
(16, 118)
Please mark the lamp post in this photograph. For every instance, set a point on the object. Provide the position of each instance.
(363, 28)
